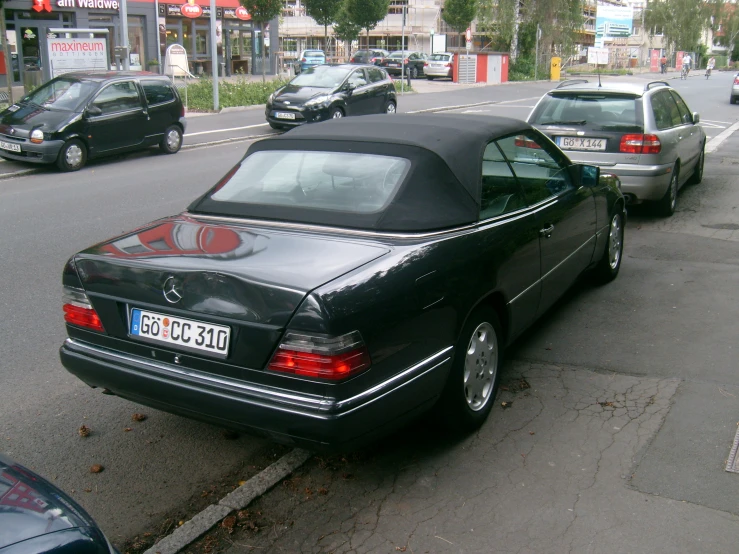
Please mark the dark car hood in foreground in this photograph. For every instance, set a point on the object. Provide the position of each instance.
(30, 506)
(299, 95)
(31, 116)
(246, 273)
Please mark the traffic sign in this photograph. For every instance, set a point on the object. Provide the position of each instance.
(468, 34)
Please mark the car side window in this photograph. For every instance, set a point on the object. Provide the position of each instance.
(157, 92)
(541, 172)
(118, 97)
(500, 191)
(661, 110)
(669, 113)
(357, 78)
(685, 115)
(375, 75)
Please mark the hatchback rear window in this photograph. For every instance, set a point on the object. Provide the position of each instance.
(593, 110)
(440, 57)
(335, 181)
(314, 54)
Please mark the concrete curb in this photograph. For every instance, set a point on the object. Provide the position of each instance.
(21, 173)
(240, 498)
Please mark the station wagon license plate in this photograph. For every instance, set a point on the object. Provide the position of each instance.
(284, 115)
(10, 146)
(581, 143)
(179, 331)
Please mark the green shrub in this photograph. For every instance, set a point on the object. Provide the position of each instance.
(230, 94)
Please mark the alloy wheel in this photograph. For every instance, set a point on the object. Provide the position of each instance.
(480, 366)
(615, 238)
(337, 115)
(390, 108)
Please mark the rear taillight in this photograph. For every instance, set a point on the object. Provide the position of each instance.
(304, 60)
(449, 65)
(78, 310)
(182, 111)
(524, 142)
(373, 60)
(405, 60)
(640, 144)
(332, 358)
(736, 80)
(425, 64)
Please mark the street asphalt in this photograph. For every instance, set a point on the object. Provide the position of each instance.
(616, 442)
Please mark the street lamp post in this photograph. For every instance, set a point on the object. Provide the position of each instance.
(431, 39)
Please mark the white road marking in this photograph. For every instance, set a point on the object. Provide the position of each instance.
(714, 143)
(711, 125)
(712, 121)
(226, 130)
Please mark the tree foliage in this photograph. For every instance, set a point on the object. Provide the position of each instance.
(726, 14)
(344, 28)
(367, 13)
(681, 21)
(262, 11)
(324, 12)
(459, 13)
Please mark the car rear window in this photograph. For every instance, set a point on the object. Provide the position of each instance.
(314, 53)
(440, 57)
(334, 181)
(618, 112)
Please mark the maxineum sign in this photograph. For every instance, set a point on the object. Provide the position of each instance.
(75, 54)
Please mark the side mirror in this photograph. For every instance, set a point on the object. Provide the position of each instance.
(696, 118)
(93, 110)
(349, 87)
(589, 175)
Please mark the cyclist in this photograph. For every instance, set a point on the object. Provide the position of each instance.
(663, 64)
(687, 60)
(709, 67)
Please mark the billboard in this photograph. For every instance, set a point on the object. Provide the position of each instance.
(74, 54)
(612, 22)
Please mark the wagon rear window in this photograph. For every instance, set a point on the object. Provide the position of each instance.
(335, 181)
(591, 110)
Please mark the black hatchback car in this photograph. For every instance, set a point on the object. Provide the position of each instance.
(79, 116)
(331, 92)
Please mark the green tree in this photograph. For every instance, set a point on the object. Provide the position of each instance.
(324, 12)
(367, 13)
(459, 13)
(262, 12)
(681, 21)
(726, 14)
(345, 29)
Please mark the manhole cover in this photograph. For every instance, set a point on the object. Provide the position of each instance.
(732, 464)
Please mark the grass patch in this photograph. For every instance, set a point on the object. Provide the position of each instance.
(230, 94)
(406, 86)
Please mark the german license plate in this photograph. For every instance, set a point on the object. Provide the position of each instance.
(394, 64)
(10, 146)
(284, 115)
(581, 143)
(186, 333)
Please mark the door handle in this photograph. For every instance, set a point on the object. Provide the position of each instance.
(547, 233)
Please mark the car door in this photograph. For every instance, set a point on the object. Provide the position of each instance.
(690, 137)
(359, 99)
(565, 212)
(379, 90)
(116, 118)
(668, 123)
(161, 106)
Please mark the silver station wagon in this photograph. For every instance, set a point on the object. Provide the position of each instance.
(643, 133)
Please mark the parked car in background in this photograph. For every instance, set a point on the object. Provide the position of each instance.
(734, 97)
(373, 56)
(356, 274)
(405, 62)
(84, 115)
(439, 65)
(38, 518)
(309, 58)
(331, 92)
(642, 132)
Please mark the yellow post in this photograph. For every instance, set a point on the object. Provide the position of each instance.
(555, 68)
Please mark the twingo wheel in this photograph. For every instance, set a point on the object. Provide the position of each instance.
(72, 156)
(609, 265)
(666, 207)
(391, 107)
(697, 176)
(172, 140)
(470, 390)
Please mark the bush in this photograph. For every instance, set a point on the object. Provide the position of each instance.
(230, 95)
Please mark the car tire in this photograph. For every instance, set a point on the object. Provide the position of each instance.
(172, 140)
(414, 72)
(429, 77)
(72, 156)
(391, 108)
(610, 263)
(697, 176)
(732, 100)
(276, 126)
(469, 393)
(667, 206)
(336, 113)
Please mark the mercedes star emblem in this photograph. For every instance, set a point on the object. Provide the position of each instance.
(171, 294)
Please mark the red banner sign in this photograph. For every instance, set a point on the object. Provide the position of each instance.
(191, 9)
(241, 13)
(42, 5)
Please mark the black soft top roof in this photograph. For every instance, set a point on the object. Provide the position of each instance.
(441, 190)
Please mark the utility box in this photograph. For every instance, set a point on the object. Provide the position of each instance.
(480, 67)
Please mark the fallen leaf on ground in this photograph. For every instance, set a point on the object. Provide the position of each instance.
(323, 491)
(506, 404)
(229, 523)
(400, 548)
(138, 417)
(242, 483)
(97, 468)
(84, 431)
(532, 433)
(127, 429)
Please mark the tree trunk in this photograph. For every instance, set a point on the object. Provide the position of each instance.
(264, 52)
(325, 39)
(516, 24)
(367, 39)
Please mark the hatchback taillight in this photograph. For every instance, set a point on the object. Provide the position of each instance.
(79, 311)
(736, 80)
(524, 142)
(304, 60)
(332, 358)
(640, 144)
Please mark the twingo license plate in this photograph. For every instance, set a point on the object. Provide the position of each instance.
(178, 331)
(284, 115)
(10, 146)
(581, 143)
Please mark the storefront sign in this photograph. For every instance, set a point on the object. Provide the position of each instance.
(175, 61)
(42, 5)
(191, 9)
(74, 54)
(241, 13)
(89, 4)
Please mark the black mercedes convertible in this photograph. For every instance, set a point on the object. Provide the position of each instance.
(344, 277)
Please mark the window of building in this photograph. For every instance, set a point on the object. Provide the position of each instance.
(137, 56)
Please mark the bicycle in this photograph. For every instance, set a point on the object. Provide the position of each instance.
(684, 72)
(708, 72)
